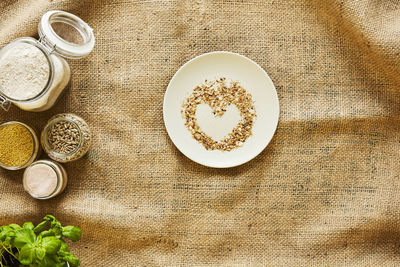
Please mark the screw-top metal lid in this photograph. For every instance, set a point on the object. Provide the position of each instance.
(66, 34)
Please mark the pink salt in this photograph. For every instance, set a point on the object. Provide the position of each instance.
(41, 180)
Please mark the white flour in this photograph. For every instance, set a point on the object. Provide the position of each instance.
(24, 71)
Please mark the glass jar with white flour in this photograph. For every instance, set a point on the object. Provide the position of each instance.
(34, 73)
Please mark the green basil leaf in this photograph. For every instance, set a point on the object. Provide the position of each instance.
(54, 222)
(5, 232)
(15, 226)
(55, 226)
(72, 232)
(40, 252)
(28, 225)
(51, 243)
(72, 259)
(49, 261)
(49, 218)
(26, 254)
(57, 232)
(23, 237)
(64, 247)
(40, 226)
(8, 241)
(46, 233)
(38, 239)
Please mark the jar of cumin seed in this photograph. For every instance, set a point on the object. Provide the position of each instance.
(66, 137)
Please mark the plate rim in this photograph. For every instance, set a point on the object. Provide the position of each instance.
(181, 69)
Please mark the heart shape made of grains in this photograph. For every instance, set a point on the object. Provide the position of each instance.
(219, 95)
(217, 127)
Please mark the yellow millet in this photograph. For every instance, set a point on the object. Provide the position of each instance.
(16, 145)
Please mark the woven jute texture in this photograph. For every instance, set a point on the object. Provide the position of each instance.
(325, 191)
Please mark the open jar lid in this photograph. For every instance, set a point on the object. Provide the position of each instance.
(66, 34)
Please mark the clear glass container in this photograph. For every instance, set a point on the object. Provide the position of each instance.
(83, 135)
(35, 151)
(62, 34)
(54, 183)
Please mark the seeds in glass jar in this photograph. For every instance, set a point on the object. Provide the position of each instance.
(77, 138)
(64, 137)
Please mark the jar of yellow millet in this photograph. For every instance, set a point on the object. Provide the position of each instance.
(19, 145)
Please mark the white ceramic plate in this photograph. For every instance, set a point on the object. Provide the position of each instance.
(212, 66)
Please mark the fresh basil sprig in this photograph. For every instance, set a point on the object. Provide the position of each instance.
(36, 247)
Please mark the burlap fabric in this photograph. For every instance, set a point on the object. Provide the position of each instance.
(324, 192)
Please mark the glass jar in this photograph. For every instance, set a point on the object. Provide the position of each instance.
(66, 137)
(13, 147)
(33, 73)
(45, 179)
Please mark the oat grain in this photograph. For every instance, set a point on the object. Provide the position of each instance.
(219, 94)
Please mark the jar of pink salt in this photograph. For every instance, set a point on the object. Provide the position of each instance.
(44, 179)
